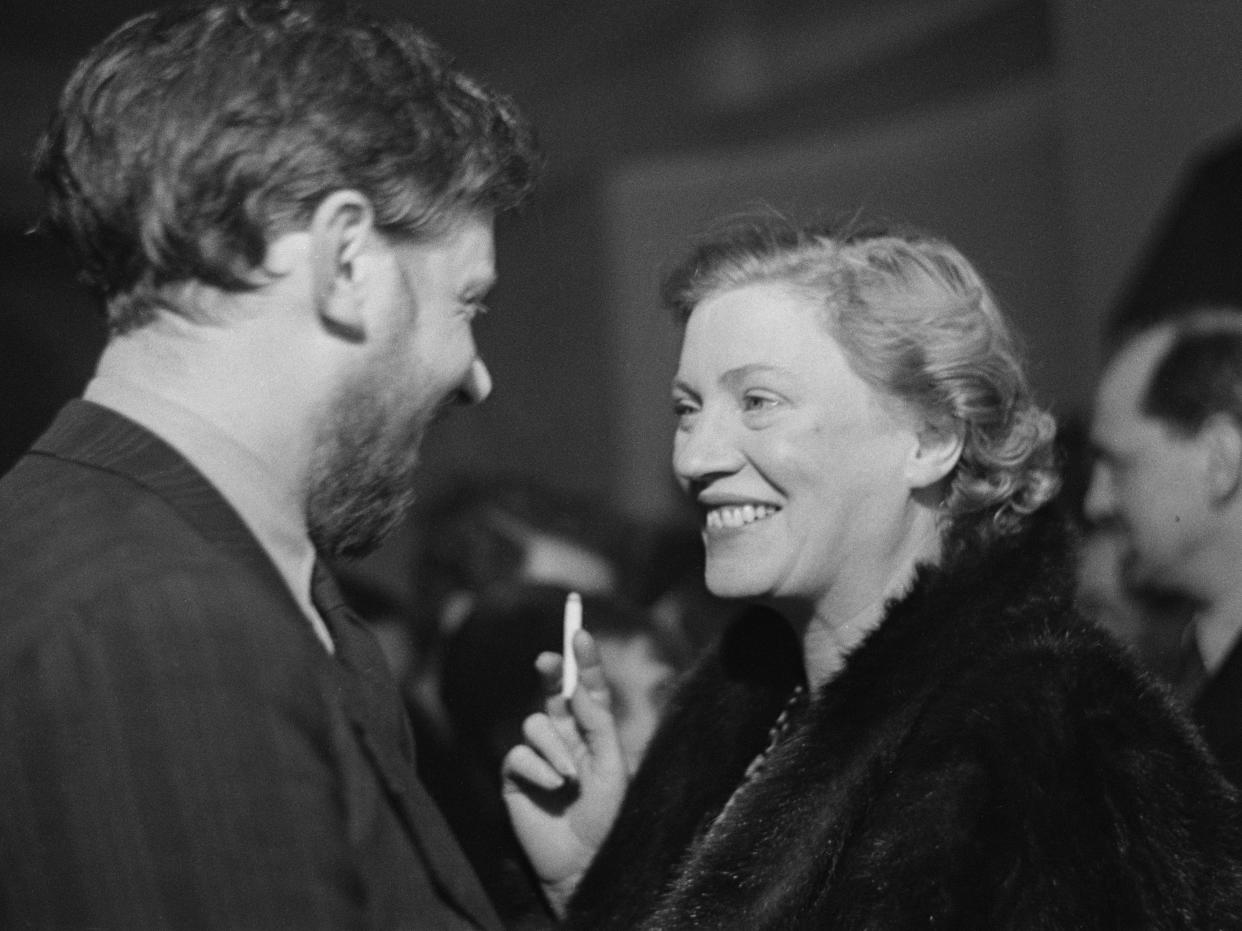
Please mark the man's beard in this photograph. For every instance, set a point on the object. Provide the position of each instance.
(361, 479)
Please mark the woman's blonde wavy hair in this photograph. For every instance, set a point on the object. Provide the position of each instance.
(917, 322)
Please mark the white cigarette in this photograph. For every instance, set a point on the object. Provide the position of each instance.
(573, 624)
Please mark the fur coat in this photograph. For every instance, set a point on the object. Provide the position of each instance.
(985, 760)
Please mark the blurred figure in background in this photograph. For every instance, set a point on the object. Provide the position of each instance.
(1190, 261)
(1148, 624)
(1167, 436)
(642, 657)
(663, 571)
(495, 531)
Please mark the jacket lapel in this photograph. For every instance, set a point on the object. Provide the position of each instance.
(1216, 708)
(378, 718)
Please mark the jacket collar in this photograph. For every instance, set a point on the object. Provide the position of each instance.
(103, 439)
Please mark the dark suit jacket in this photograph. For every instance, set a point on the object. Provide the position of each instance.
(1218, 712)
(177, 749)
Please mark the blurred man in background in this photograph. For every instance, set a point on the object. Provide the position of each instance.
(1167, 437)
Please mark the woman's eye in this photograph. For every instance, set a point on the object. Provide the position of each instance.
(758, 402)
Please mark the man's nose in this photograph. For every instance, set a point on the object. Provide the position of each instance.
(1099, 502)
(477, 384)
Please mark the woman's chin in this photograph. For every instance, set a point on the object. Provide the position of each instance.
(733, 582)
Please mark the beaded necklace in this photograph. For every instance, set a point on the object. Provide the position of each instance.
(776, 734)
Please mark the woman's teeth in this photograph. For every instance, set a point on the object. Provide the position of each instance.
(737, 515)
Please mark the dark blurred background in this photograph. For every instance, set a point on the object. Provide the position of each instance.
(1047, 138)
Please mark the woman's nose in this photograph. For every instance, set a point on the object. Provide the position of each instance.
(704, 449)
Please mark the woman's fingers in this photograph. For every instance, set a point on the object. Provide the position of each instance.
(591, 705)
(570, 733)
(522, 766)
(549, 666)
(590, 669)
(555, 740)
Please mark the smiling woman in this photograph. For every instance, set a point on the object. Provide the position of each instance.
(774, 423)
(911, 726)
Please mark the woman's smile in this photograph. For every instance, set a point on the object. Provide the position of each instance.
(733, 517)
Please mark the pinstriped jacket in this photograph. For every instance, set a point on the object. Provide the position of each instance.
(176, 747)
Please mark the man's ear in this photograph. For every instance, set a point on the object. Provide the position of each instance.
(1221, 440)
(937, 451)
(341, 229)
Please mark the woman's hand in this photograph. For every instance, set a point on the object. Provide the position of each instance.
(564, 786)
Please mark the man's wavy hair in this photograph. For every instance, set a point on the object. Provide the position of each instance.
(191, 137)
(917, 323)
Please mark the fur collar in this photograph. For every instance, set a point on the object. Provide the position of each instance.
(719, 720)
(984, 759)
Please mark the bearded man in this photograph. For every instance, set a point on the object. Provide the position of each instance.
(288, 211)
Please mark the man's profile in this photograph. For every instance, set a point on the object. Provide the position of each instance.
(287, 209)
(1167, 434)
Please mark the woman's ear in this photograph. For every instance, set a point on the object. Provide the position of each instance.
(937, 451)
(341, 229)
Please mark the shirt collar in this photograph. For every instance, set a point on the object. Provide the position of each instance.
(264, 499)
(1215, 634)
